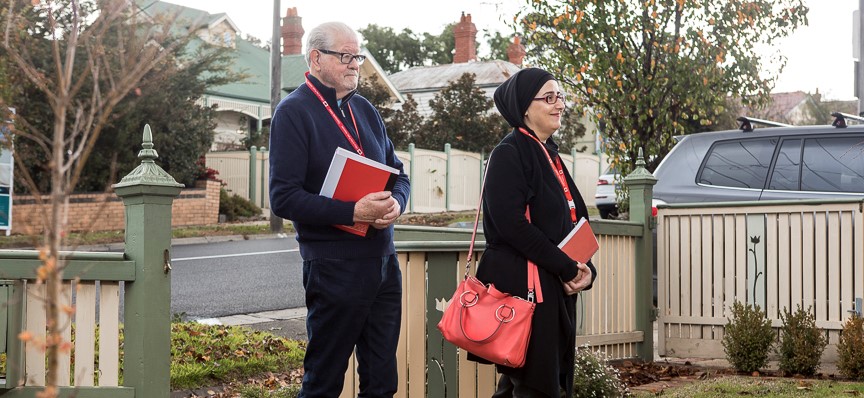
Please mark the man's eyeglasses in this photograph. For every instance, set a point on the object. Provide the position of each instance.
(345, 58)
(551, 98)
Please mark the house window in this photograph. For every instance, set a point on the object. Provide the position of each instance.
(227, 38)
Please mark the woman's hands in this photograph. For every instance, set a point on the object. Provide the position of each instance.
(580, 282)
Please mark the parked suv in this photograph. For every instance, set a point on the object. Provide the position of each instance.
(807, 162)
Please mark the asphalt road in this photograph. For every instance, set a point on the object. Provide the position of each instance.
(239, 277)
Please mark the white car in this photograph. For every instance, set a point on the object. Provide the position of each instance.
(604, 198)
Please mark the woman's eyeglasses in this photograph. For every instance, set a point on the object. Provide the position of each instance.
(345, 58)
(551, 98)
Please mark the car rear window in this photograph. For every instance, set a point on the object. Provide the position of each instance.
(833, 164)
(739, 163)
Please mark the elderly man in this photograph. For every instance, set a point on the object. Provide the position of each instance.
(353, 283)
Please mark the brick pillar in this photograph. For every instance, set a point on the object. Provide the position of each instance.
(516, 51)
(292, 33)
(465, 34)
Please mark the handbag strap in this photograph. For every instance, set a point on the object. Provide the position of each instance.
(533, 275)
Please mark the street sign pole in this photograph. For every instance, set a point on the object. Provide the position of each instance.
(276, 91)
(857, 53)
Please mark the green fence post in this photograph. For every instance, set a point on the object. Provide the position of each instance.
(411, 177)
(147, 193)
(253, 168)
(16, 303)
(447, 178)
(264, 165)
(641, 185)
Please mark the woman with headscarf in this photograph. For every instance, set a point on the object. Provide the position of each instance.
(525, 172)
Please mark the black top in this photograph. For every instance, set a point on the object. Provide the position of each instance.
(518, 175)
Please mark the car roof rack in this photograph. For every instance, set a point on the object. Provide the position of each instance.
(747, 123)
(840, 119)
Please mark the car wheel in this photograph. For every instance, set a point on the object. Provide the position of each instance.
(604, 214)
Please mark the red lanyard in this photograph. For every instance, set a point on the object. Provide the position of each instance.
(355, 144)
(558, 170)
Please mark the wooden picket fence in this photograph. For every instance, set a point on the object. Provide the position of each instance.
(777, 255)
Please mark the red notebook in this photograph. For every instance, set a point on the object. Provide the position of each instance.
(351, 177)
(581, 243)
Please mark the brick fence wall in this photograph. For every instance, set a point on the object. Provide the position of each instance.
(105, 212)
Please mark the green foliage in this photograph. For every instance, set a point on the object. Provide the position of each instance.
(182, 127)
(202, 354)
(399, 51)
(801, 342)
(462, 118)
(393, 51)
(498, 45)
(593, 377)
(439, 49)
(405, 123)
(748, 337)
(373, 90)
(164, 97)
(400, 123)
(850, 349)
(650, 69)
(235, 207)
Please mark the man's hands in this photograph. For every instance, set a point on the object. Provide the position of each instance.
(580, 282)
(379, 209)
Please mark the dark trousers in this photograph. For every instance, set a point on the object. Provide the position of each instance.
(509, 387)
(352, 302)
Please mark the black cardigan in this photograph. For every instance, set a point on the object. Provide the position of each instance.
(518, 175)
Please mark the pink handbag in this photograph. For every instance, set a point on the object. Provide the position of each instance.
(486, 322)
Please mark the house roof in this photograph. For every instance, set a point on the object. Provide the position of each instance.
(782, 104)
(435, 78)
(254, 62)
(187, 18)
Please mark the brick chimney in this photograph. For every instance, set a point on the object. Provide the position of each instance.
(292, 33)
(516, 51)
(466, 35)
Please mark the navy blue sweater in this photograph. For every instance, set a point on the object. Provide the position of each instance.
(303, 139)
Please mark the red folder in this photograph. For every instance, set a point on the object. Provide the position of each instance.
(351, 177)
(581, 243)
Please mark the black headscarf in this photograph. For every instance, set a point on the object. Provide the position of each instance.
(514, 96)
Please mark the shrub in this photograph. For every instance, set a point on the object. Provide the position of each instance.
(801, 342)
(748, 337)
(850, 349)
(593, 377)
(234, 207)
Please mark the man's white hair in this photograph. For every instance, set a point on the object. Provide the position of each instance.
(322, 37)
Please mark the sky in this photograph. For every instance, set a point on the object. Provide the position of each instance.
(819, 56)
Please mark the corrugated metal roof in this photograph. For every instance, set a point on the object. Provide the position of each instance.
(186, 17)
(435, 78)
(254, 62)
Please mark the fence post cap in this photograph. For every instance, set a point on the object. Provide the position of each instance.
(148, 172)
(640, 174)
